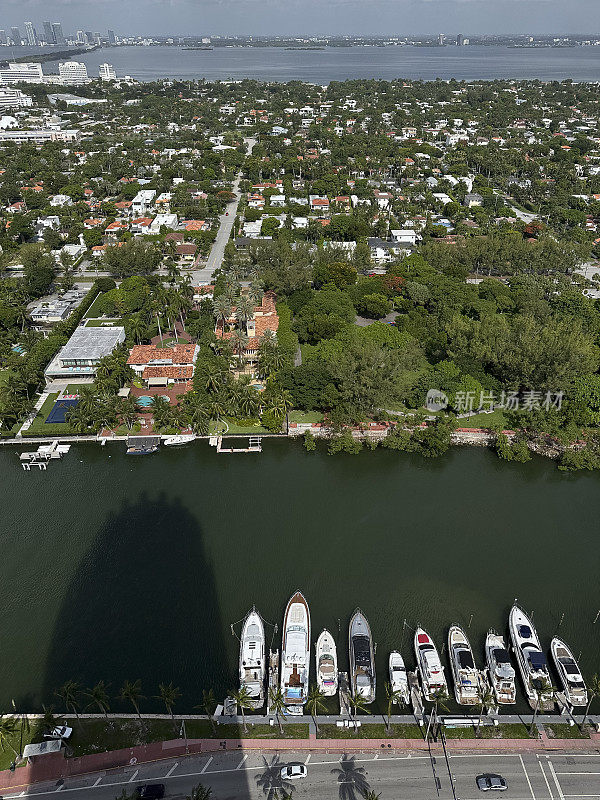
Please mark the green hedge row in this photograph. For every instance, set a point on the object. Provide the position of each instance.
(286, 338)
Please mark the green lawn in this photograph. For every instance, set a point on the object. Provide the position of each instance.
(483, 420)
(305, 416)
(39, 428)
(93, 310)
(371, 731)
(562, 730)
(237, 426)
(489, 732)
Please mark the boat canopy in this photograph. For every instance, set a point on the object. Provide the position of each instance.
(362, 650)
(524, 631)
(501, 655)
(537, 660)
(422, 638)
(465, 659)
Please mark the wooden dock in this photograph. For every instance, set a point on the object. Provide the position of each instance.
(254, 445)
(416, 695)
(273, 682)
(344, 694)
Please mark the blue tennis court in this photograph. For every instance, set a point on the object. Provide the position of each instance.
(60, 410)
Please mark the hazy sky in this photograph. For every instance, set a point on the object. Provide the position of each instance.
(308, 16)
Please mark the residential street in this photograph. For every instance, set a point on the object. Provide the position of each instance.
(253, 776)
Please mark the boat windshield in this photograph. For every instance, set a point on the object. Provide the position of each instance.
(465, 659)
(501, 656)
(524, 631)
(537, 660)
(362, 650)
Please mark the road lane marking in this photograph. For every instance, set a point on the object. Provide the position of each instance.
(204, 768)
(239, 766)
(134, 776)
(98, 781)
(527, 777)
(172, 770)
(578, 773)
(307, 759)
(546, 779)
(560, 794)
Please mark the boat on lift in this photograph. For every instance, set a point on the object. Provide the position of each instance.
(399, 677)
(466, 676)
(362, 657)
(500, 670)
(327, 666)
(531, 660)
(569, 673)
(295, 654)
(429, 666)
(253, 662)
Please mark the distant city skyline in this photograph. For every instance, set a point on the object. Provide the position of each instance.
(310, 17)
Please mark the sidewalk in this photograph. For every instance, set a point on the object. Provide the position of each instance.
(54, 767)
(27, 424)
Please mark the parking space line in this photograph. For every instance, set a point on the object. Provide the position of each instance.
(546, 779)
(560, 794)
(98, 780)
(527, 777)
(172, 770)
(205, 767)
(134, 776)
(239, 766)
(307, 759)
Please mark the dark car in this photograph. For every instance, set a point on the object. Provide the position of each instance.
(151, 791)
(491, 782)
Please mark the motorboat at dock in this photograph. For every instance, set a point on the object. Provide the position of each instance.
(253, 662)
(466, 676)
(530, 660)
(362, 657)
(500, 670)
(327, 666)
(568, 673)
(178, 440)
(430, 667)
(295, 654)
(399, 677)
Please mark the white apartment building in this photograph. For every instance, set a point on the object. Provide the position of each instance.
(107, 72)
(40, 136)
(28, 72)
(14, 98)
(73, 73)
(143, 202)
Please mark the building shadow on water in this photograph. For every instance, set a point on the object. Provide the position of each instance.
(143, 605)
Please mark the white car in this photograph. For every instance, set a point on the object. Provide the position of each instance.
(60, 732)
(293, 772)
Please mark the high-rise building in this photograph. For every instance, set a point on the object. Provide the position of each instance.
(112, 39)
(441, 39)
(30, 34)
(15, 35)
(107, 72)
(80, 37)
(48, 33)
(73, 73)
(460, 40)
(59, 36)
(22, 73)
(3, 37)
(97, 38)
(89, 37)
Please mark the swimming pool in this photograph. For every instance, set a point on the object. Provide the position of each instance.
(145, 400)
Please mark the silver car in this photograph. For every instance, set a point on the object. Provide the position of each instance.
(489, 782)
(293, 772)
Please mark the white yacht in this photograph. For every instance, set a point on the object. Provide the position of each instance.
(362, 657)
(429, 666)
(500, 670)
(530, 659)
(295, 653)
(569, 673)
(253, 661)
(465, 673)
(327, 667)
(399, 677)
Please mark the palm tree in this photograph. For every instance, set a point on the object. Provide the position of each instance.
(8, 727)
(208, 705)
(485, 698)
(79, 419)
(543, 691)
(239, 340)
(133, 693)
(393, 696)
(358, 703)
(371, 795)
(280, 403)
(68, 693)
(244, 311)
(213, 374)
(136, 326)
(161, 411)
(315, 702)
(200, 792)
(169, 694)
(199, 420)
(593, 692)
(216, 409)
(221, 310)
(49, 720)
(277, 705)
(244, 701)
(99, 698)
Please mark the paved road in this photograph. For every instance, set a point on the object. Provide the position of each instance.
(235, 776)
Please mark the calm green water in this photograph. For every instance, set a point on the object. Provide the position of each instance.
(119, 568)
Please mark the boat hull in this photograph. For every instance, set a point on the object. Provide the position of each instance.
(503, 686)
(295, 654)
(362, 658)
(526, 645)
(465, 675)
(326, 664)
(399, 677)
(253, 661)
(429, 667)
(575, 690)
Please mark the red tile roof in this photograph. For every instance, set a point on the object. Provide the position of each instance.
(144, 354)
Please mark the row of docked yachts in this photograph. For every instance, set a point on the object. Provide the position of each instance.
(469, 682)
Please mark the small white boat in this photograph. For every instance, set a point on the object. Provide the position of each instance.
(569, 673)
(253, 663)
(182, 438)
(362, 657)
(327, 667)
(399, 677)
(465, 673)
(531, 660)
(429, 665)
(500, 670)
(295, 654)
